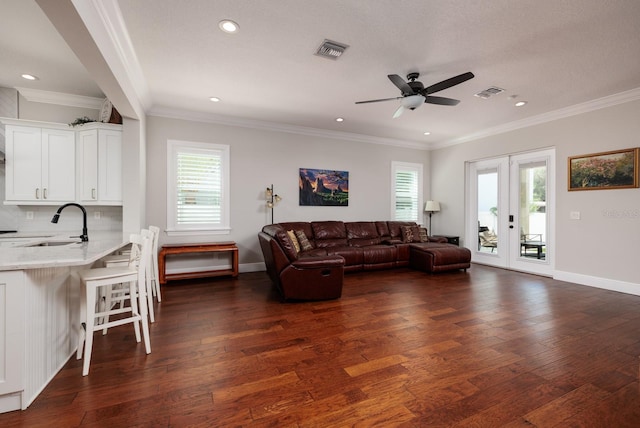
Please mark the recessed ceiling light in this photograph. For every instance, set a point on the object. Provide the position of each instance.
(339, 119)
(214, 99)
(29, 77)
(228, 26)
(427, 133)
(520, 103)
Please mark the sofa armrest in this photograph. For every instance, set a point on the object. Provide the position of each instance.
(318, 262)
(440, 239)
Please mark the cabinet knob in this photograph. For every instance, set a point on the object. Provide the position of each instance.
(44, 193)
(93, 193)
(37, 193)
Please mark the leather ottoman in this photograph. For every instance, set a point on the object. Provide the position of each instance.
(439, 258)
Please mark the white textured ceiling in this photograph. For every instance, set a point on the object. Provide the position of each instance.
(554, 54)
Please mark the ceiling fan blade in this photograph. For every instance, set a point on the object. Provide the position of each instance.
(401, 84)
(441, 101)
(377, 101)
(398, 112)
(453, 81)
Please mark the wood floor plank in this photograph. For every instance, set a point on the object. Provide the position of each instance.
(485, 348)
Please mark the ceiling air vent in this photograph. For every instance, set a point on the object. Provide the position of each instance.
(489, 92)
(331, 50)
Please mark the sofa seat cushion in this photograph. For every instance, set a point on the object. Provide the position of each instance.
(353, 256)
(315, 252)
(439, 257)
(379, 256)
(364, 242)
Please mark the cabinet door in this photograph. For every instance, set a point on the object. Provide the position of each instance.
(88, 165)
(109, 165)
(23, 166)
(11, 331)
(58, 165)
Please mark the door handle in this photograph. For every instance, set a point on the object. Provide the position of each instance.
(44, 193)
(37, 193)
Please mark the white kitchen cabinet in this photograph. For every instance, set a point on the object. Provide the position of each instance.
(11, 340)
(99, 149)
(40, 165)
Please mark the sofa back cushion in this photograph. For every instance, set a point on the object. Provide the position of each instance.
(362, 233)
(383, 229)
(280, 234)
(395, 228)
(304, 226)
(329, 233)
(413, 234)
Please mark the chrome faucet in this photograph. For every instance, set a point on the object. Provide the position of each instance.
(84, 237)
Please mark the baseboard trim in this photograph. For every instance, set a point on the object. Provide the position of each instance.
(252, 267)
(597, 282)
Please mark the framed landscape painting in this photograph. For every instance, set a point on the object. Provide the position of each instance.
(323, 187)
(607, 170)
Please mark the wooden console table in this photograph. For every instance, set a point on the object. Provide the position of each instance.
(209, 247)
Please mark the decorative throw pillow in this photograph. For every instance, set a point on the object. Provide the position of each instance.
(410, 233)
(305, 245)
(423, 235)
(293, 238)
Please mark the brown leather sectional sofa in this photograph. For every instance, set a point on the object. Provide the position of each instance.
(316, 271)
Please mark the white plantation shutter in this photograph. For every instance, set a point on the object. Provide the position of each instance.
(407, 192)
(198, 185)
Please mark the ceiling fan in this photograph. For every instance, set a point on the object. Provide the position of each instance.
(414, 94)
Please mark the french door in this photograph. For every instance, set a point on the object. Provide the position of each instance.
(510, 206)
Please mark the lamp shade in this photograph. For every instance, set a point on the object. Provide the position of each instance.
(432, 206)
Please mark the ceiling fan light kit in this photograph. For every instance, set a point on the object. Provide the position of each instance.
(414, 94)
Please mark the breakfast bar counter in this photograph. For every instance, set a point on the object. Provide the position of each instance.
(40, 307)
(29, 250)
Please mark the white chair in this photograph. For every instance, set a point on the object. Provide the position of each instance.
(152, 283)
(154, 262)
(100, 281)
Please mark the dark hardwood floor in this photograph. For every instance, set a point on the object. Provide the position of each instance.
(486, 348)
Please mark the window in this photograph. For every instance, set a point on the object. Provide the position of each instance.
(406, 187)
(198, 187)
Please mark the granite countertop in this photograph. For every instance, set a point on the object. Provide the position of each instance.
(21, 250)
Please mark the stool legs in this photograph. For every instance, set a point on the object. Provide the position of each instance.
(88, 313)
(89, 322)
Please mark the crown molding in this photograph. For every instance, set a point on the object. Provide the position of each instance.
(59, 98)
(281, 127)
(104, 21)
(586, 107)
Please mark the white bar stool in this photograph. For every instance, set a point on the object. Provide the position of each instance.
(154, 263)
(99, 282)
(152, 283)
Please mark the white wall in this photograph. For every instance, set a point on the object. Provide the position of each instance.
(260, 158)
(44, 112)
(601, 248)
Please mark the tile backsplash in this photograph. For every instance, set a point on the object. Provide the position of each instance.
(38, 219)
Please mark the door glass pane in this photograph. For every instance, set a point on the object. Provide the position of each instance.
(532, 210)
(488, 211)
